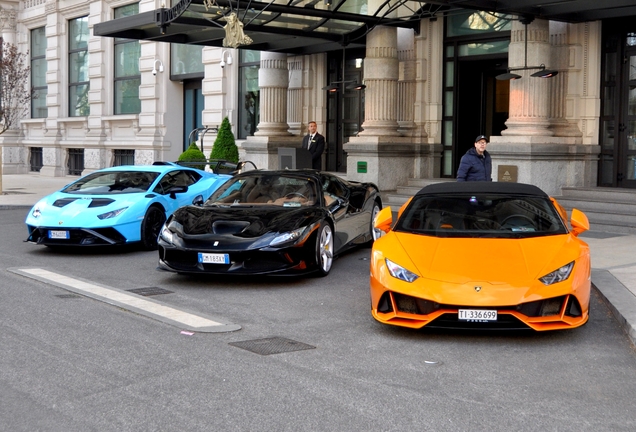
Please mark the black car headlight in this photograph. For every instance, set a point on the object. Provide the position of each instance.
(558, 275)
(112, 214)
(287, 237)
(169, 231)
(399, 272)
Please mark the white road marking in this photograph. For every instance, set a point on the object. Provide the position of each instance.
(128, 301)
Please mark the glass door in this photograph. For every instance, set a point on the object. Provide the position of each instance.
(628, 137)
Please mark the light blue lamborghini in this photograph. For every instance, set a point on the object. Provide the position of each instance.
(118, 205)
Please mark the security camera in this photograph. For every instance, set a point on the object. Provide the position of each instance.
(154, 71)
(222, 64)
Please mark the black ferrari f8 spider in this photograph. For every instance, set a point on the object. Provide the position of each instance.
(259, 222)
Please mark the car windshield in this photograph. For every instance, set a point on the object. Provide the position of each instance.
(266, 189)
(112, 182)
(488, 215)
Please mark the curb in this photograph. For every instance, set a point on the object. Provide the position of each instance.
(619, 299)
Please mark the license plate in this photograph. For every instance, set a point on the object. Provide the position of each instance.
(214, 258)
(57, 234)
(477, 315)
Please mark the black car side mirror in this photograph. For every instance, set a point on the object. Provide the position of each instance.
(197, 201)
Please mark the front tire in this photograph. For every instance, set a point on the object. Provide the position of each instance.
(324, 249)
(150, 227)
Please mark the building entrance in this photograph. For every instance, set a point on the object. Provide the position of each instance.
(617, 167)
(345, 105)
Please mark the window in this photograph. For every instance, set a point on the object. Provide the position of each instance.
(249, 63)
(35, 159)
(38, 73)
(78, 84)
(75, 161)
(124, 157)
(127, 77)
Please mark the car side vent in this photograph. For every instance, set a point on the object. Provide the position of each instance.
(573, 309)
(100, 202)
(385, 305)
(62, 202)
(150, 196)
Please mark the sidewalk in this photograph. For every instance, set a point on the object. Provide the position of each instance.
(613, 255)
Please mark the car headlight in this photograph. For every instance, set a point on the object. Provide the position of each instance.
(558, 275)
(400, 272)
(286, 237)
(36, 213)
(169, 230)
(112, 214)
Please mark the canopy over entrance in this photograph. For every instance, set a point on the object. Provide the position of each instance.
(311, 26)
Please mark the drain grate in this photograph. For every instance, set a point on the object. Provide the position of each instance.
(149, 291)
(68, 296)
(273, 345)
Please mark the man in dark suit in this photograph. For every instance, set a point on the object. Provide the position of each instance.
(315, 143)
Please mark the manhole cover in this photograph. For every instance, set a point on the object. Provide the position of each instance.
(149, 291)
(68, 296)
(273, 345)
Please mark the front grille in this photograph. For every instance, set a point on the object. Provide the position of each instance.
(504, 322)
(79, 237)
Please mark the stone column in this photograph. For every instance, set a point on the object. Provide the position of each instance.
(295, 95)
(273, 80)
(10, 138)
(529, 96)
(381, 73)
(406, 82)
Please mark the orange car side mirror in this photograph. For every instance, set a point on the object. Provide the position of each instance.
(579, 222)
(384, 219)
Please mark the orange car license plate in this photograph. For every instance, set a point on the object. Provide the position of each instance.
(477, 315)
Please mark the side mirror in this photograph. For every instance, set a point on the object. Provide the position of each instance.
(177, 189)
(383, 220)
(198, 200)
(579, 222)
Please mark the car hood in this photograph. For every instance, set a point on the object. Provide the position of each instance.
(62, 209)
(495, 261)
(248, 221)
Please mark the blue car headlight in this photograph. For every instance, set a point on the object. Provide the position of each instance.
(558, 275)
(399, 272)
(289, 236)
(36, 213)
(112, 214)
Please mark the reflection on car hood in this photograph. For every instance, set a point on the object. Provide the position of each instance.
(244, 220)
(496, 261)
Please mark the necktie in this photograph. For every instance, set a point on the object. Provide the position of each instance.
(311, 137)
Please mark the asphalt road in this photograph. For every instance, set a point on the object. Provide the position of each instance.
(72, 363)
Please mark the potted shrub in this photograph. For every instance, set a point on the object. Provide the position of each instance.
(193, 157)
(224, 146)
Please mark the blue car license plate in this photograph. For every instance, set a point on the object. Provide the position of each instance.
(214, 258)
(59, 234)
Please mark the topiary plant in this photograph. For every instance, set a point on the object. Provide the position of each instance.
(224, 146)
(194, 155)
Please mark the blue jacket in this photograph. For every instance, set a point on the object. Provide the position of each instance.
(473, 167)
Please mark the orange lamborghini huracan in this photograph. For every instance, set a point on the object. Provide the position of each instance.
(481, 255)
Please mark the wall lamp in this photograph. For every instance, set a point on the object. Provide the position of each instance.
(223, 58)
(154, 66)
(334, 87)
(541, 73)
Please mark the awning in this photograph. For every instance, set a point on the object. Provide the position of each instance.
(311, 26)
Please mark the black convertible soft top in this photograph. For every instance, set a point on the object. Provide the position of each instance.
(481, 187)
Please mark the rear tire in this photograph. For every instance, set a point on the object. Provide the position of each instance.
(150, 227)
(324, 249)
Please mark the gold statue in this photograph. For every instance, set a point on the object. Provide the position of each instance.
(234, 35)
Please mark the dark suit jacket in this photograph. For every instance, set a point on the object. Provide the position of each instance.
(316, 149)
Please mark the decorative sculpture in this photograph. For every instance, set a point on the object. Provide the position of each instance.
(234, 35)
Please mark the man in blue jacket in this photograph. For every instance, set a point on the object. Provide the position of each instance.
(476, 164)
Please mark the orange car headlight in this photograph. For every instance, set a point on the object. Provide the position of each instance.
(400, 272)
(558, 275)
